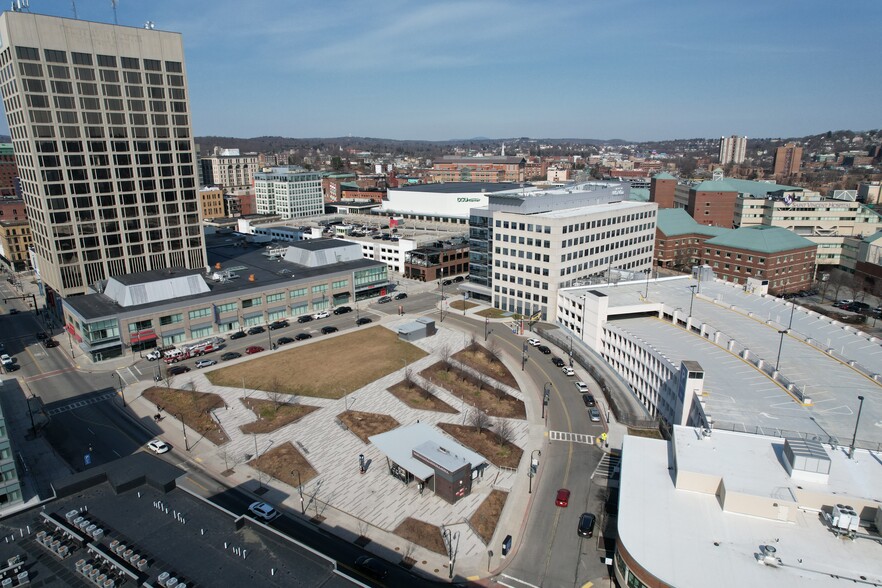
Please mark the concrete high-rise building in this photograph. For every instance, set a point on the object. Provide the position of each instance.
(733, 149)
(100, 122)
(229, 169)
(788, 158)
(291, 192)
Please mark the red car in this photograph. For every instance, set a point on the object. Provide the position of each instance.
(253, 349)
(563, 497)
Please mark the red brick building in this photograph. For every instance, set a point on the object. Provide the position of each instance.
(12, 209)
(479, 169)
(712, 203)
(780, 256)
(8, 170)
(661, 190)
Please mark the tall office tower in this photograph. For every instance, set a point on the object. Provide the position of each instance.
(100, 121)
(787, 160)
(733, 149)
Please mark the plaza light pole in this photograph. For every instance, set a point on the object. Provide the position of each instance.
(441, 271)
(856, 423)
(486, 327)
(451, 541)
(300, 491)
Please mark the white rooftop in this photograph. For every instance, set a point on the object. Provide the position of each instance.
(593, 209)
(815, 355)
(398, 445)
(689, 537)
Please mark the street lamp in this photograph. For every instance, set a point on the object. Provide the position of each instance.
(300, 491)
(546, 394)
(532, 472)
(856, 423)
(782, 333)
(692, 299)
(449, 538)
(184, 429)
(487, 327)
(571, 351)
(441, 271)
(122, 388)
(524, 356)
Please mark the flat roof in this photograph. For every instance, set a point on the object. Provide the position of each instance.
(685, 538)
(457, 187)
(398, 445)
(226, 250)
(592, 209)
(739, 395)
(120, 498)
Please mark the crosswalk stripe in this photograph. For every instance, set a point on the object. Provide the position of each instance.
(80, 404)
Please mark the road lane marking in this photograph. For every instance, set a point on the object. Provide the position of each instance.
(571, 437)
(519, 581)
(80, 404)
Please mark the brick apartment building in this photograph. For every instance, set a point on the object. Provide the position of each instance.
(8, 170)
(479, 169)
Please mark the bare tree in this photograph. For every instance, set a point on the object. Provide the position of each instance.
(493, 349)
(479, 419)
(473, 341)
(274, 392)
(408, 377)
(483, 379)
(505, 430)
(444, 353)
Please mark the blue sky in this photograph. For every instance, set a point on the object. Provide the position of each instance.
(410, 69)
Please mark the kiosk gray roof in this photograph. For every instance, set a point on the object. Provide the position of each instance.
(398, 445)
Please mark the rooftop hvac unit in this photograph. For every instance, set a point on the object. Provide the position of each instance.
(845, 518)
(769, 556)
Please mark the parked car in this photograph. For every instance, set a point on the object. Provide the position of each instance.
(371, 566)
(230, 355)
(401, 296)
(253, 349)
(157, 446)
(363, 321)
(589, 401)
(558, 361)
(278, 325)
(178, 370)
(206, 363)
(384, 299)
(13, 311)
(6, 360)
(563, 498)
(544, 349)
(581, 386)
(12, 367)
(594, 415)
(328, 330)
(304, 318)
(568, 370)
(284, 340)
(446, 282)
(586, 525)
(50, 343)
(256, 330)
(302, 336)
(238, 335)
(459, 279)
(321, 315)
(263, 511)
(342, 310)
(534, 342)
(841, 303)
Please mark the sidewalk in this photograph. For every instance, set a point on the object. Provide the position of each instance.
(373, 504)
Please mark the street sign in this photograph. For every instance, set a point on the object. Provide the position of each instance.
(87, 459)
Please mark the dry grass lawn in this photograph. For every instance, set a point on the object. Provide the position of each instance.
(283, 463)
(480, 359)
(649, 433)
(416, 396)
(272, 415)
(495, 313)
(422, 534)
(487, 516)
(462, 305)
(194, 407)
(365, 424)
(487, 443)
(314, 370)
(483, 396)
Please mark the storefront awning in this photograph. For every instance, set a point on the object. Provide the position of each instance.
(142, 336)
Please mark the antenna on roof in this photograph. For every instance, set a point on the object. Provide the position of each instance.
(114, 3)
(20, 5)
(149, 25)
(73, 4)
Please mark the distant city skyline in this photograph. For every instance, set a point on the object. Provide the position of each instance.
(632, 70)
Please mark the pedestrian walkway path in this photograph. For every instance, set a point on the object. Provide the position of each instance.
(375, 503)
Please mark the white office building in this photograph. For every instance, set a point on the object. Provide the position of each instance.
(290, 192)
(525, 246)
